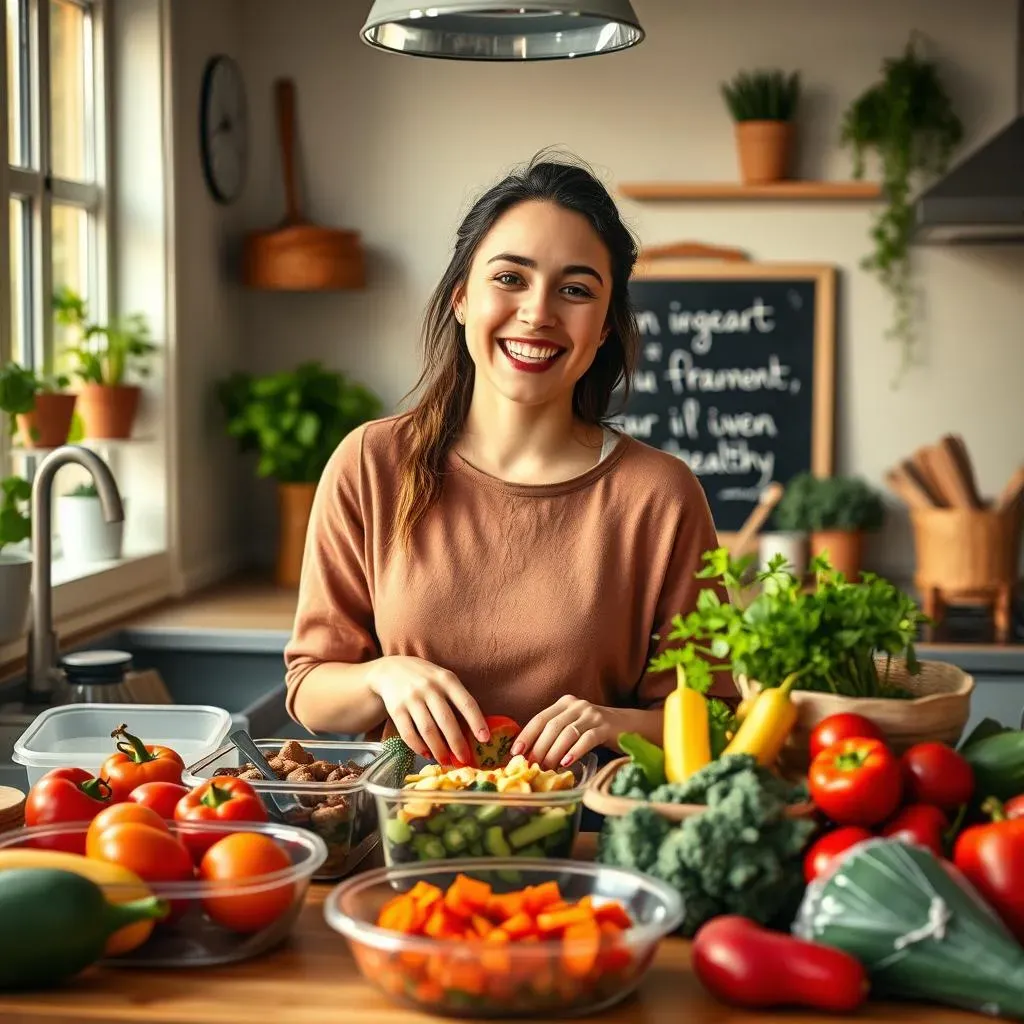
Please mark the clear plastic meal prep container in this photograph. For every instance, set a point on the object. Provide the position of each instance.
(429, 825)
(78, 735)
(341, 813)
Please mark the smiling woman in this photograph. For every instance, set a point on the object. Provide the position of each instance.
(499, 550)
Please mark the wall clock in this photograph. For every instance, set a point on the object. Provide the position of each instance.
(223, 129)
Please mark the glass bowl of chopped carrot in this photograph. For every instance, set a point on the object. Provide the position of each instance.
(511, 937)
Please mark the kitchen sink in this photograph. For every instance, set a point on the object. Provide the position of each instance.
(241, 671)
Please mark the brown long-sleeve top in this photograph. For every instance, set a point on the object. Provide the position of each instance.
(525, 592)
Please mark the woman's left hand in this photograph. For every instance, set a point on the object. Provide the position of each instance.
(564, 732)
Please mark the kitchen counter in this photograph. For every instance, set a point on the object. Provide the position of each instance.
(313, 979)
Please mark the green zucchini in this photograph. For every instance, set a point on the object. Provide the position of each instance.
(920, 933)
(54, 924)
(998, 763)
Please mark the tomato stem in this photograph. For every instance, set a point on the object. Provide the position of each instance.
(133, 747)
(216, 795)
(850, 761)
(993, 807)
(98, 789)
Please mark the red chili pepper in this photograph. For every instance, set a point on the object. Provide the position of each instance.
(135, 763)
(991, 855)
(66, 794)
(223, 800)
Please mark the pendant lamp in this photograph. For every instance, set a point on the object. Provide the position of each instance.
(502, 30)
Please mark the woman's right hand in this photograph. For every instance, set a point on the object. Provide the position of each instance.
(421, 699)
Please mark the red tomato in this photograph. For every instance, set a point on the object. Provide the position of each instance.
(161, 797)
(65, 794)
(135, 763)
(242, 857)
(825, 850)
(741, 963)
(121, 814)
(1014, 807)
(223, 800)
(154, 855)
(844, 726)
(936, 774)
(856, 782)
(497, 751)
(923, 824)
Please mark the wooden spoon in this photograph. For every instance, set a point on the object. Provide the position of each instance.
(743, 538)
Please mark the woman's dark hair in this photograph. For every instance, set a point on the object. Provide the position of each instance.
(446, 382)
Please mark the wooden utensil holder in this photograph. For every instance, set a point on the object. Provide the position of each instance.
(967, 556)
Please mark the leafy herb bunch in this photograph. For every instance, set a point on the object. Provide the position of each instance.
(830, 637)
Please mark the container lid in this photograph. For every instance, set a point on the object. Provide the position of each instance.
(69, 734)
(96, 666)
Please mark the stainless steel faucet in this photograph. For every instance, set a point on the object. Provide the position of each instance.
(43, 675)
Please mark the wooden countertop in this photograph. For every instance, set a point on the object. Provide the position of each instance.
(312, 979)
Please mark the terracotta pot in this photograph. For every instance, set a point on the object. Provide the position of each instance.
(939, 711)
(843, 548)
(108, 410)
(764, 149)
(48, 424)
(294, 503)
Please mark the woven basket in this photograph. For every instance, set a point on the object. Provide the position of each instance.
(599, 798)
(939, 712)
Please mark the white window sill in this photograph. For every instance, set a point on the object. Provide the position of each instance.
(92, 597)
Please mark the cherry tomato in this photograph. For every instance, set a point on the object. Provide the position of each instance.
(161, 797)
(936, 774)
(844, 726)
(856, 782)
(242, 857)
(65, 795)
(121, 814)
(830, 846)
(1014, 807)
(923, 824)
(153, 854)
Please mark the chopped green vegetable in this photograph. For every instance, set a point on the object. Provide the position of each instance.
(648, 756)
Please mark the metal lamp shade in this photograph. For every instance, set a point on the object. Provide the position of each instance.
(501, 30)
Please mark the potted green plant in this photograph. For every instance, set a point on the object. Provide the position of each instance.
(763, 105)
(840, 645)
(15, 566)
(907, 119)
(107, 356)
(294, 420)
(39, 409)
(836, 512)
(85, 535)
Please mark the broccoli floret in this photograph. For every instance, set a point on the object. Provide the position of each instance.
(740, 856)
(633, 840)
(631, 781)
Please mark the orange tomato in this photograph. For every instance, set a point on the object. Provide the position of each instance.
(121, 814)
(153, 854)
(242, 857)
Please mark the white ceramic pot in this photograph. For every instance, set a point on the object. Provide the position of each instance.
(85, 536)
(15, 585)
(791, 545)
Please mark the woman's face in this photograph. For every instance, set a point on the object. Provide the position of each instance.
(535, 303)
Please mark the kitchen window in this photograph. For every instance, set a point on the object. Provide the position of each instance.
(59, 227)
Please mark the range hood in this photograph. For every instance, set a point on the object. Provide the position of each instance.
(981, 200)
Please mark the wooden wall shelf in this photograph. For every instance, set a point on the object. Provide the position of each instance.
(728, 190)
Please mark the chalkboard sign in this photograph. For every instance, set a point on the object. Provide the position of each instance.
(735, 374)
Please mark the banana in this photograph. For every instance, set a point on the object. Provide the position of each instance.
(119, 886)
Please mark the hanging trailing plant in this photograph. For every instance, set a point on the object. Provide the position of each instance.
(907, 118)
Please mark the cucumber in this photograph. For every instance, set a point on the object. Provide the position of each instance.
(542, 826)
(489, 814)
(471, 829)
(56, 923)
(429, 847)
(398, 831)
(535, 850)
(476, 849)
(495, 842)
(438, 822)
(998, 763)
(454, 841)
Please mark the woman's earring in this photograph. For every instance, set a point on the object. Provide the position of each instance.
(458, 316)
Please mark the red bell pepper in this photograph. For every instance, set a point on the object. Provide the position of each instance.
(991, 855)
(66, 794)
(135, 763)
(222, 800)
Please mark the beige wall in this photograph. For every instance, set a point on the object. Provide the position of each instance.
(397, 147)
(208, 308)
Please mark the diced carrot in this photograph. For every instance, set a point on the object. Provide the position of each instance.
(519, 926)
(582, 948)
(424, 892)
(614, 913)
(500, 907)
(481, 925)
(428, 991)
(400, 916)
(537, 898)
(467, 976)
(471, 892)
(442, 924)
(412, 962)
(559, 920)
(495, 956)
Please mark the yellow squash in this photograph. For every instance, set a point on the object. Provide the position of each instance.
(119, 885)
(767, 724)
(687, 741)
